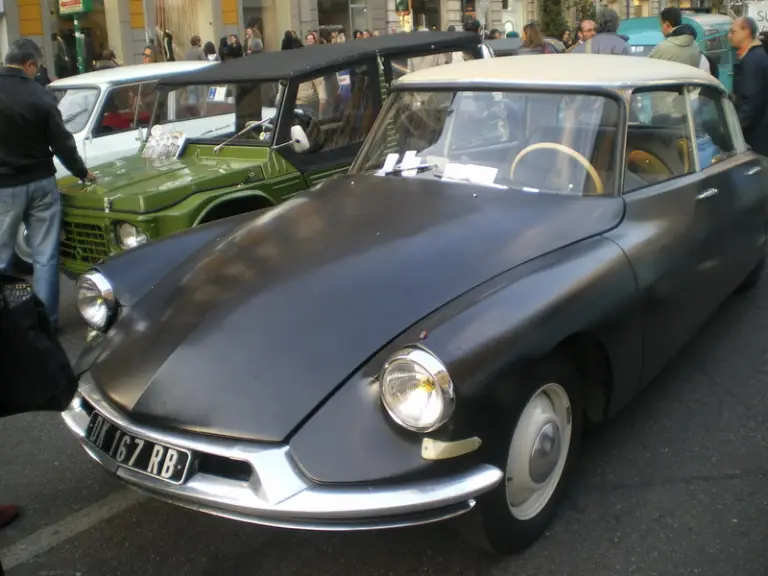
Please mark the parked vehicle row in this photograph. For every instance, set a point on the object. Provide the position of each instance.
(518, 248)
(108, 112)
(242, 136)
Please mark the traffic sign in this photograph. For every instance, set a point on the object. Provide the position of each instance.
(75, 6)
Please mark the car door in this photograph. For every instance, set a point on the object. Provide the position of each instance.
(334, 110)
(735, 176)
(671, 231)
(116, 132)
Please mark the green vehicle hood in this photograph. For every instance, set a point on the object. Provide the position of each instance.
(140, 185)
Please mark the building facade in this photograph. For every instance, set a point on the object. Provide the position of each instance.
(127, 26)
(124, 26)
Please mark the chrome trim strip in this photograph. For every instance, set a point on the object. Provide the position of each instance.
(278, 493)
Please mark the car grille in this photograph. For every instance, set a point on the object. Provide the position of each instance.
(83, 243)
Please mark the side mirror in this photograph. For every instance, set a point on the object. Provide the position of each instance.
(299, 140)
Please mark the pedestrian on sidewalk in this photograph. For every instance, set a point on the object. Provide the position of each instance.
(210, 52)
(31, 132)
(750, 83)
(607, 40)
(195, 51)
(679, 44)
(107, 61)
(253, 43)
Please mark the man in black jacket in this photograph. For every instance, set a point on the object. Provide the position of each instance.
(31, 132)
(750, 83)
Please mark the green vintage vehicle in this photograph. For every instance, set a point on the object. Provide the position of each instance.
(243, 136)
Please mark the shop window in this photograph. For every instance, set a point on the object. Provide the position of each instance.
(119, 110)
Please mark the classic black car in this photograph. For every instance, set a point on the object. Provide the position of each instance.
(516, 251)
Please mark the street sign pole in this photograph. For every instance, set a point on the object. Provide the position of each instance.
(76, 9)
(79, 45)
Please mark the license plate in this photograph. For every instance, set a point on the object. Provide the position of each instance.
(151, 458)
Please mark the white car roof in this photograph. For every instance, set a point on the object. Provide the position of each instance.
(133, 73)
(587, 70)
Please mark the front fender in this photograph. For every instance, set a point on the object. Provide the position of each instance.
(255, 195)
(493, 334)
(483, 336)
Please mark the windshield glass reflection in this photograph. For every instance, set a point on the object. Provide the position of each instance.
(76, 106)
(219, 112)
(536, 141)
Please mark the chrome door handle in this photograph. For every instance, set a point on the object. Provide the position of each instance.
(754, 170)
(707, 193)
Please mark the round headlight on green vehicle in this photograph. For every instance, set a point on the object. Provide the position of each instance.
(130, 236)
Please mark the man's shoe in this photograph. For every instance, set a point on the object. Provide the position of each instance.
(8, 514)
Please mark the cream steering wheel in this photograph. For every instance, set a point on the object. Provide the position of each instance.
(599, 189)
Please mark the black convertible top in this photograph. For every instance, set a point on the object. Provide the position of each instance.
(286, 64)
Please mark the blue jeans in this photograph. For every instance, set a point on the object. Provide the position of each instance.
(38, 205)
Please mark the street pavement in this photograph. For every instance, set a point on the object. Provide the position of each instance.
(674, 485)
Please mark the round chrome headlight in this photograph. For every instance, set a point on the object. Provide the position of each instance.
(95, 299)
(416, 390)
(130, 236)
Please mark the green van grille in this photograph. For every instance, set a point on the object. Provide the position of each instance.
(83, 243)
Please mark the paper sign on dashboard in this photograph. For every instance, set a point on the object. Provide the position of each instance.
(470, 173)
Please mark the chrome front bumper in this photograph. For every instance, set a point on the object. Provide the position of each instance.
(278, 493)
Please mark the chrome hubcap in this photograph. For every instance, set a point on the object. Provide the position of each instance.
(546, 453)
(23, 250)
(538, 451)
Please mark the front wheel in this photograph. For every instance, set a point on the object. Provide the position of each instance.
(537, 450)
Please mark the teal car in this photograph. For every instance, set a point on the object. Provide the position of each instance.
(711, 35)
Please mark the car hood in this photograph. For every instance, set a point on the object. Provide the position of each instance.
(250, 334)
(139, 185)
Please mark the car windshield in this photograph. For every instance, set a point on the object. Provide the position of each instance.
(218, 112)
(76, 106)
(560, 143)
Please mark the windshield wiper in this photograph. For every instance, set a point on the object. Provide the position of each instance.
(213, 130)
(248, 128)
(400, 169)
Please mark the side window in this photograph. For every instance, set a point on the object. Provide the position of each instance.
(714, 44)
(336, 109)
(118, 111)
(659, 145)
(713, 138)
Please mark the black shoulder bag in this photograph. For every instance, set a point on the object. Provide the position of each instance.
(35, 373)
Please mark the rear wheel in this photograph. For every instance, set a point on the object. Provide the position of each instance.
(538, 449)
